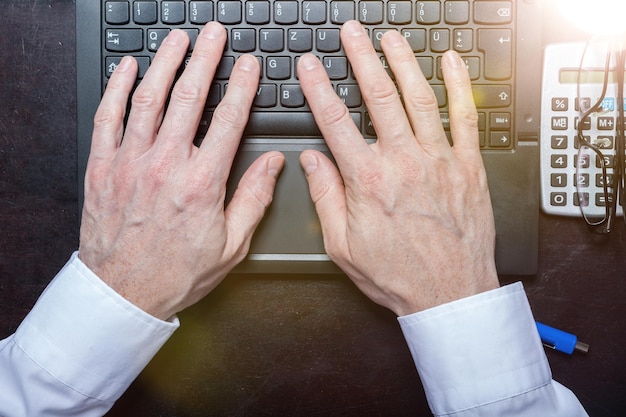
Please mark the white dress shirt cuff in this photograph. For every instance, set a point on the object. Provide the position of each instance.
(89, 337)
(477, 351)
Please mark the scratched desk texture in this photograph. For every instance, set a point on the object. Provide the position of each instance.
(259, 345)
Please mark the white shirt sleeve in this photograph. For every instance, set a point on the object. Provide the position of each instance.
(78, 349)
(482, 356)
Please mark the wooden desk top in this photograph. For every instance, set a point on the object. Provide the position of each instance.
(290, 345)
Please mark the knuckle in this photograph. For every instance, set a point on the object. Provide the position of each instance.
(147, 98)
(465, 116)
(422, 102)
(382, 92)
(229, 115)
(106, 116)
(333, 112)
(186, 92)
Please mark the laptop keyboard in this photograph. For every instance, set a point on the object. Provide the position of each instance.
(277, 32)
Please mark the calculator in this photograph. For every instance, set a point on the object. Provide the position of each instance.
(559, 146)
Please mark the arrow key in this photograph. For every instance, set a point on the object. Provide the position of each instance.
(500, 139)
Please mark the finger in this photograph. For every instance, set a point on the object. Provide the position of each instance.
(463, 115)
(253, 196)
(108, 128)
(329, 196)
(149, 99)
(229, 119)
(343, 137)
(379, 92)
(419, 99)
(190, 91)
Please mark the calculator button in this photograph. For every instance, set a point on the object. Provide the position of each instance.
(584, 162)
(581, 198)
(600, 182)
(559, 123)
(581, 180)
(558, 161)
(606, 123)
(560, 103)
(558, 142)
(558, 180)
(558, 199)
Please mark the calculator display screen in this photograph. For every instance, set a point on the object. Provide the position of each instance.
(587, 76)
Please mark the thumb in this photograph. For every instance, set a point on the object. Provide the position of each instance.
(253, 196)
(328, 194)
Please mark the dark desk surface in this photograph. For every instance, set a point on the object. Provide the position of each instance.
(295, 345)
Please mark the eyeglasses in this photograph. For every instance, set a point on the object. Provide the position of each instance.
(600, 134)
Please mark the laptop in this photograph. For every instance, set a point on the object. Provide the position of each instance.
(497, 40)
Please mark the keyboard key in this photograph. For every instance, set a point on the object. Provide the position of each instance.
(492, 95)
(428, 12)
(341, 11)
(291, 95)
(377, 35)
(111, 64)
(278, 67)
(257, 12)
(192, 34)
(265, 96)
(492, 12)
(439, 40)
(124, 40)
(336, 67)
(155, 38)
(285, 12)
(314, 12)
(500, 121)
(173, 12)
(243, 40)
(399, 12)
(371, 12)
(229, 12)
(496, 44)
(499, 139)
(117, 12)
(327, 40)
(416, 39)
(225, 68)
(145, 12)
(271, 40)
(349, 94)
(200, 12)
(463, 40)
(456, 12)
(300, 40)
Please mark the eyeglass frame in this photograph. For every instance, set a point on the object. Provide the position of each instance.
(605, 225)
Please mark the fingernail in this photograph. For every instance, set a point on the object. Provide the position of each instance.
(175, 37)
(124, 64)
(247, 62)
(275, 165)
(212, 30)
(308, 62)
(309, 163)
(393, 38)
(353, 28)
(453, 59)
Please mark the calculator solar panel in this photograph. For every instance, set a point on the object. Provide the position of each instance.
(494, 38)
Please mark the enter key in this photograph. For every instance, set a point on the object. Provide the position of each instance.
(496, 44)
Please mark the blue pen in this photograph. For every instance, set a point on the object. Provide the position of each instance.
(559, 340)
